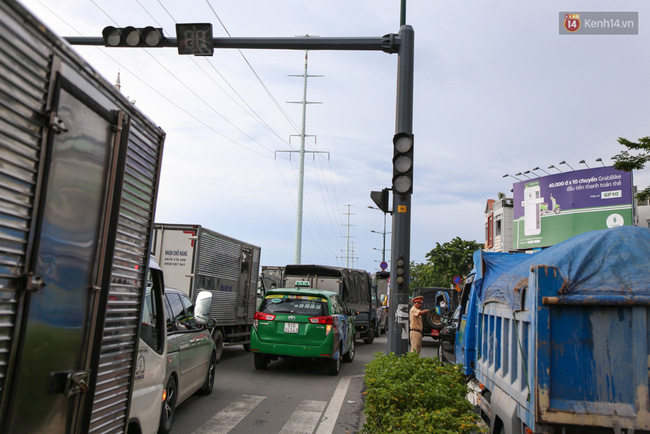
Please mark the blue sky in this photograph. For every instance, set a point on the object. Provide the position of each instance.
(497, 90)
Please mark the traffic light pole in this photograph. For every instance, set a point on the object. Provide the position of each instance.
(388, 43)
(403, 44)
(398, 335)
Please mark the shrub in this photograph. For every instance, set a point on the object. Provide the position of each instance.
(413, 394)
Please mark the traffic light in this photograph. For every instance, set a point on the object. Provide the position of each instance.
(133, 37)
(381, 199)
(400, 270)
(403, 163)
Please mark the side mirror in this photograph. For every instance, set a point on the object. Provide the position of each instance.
(448, 334)
(442, 302)
(202, 307)
(382, 298)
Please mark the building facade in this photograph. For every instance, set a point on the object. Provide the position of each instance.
(499, 225)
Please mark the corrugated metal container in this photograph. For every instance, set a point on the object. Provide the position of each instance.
(79, 170)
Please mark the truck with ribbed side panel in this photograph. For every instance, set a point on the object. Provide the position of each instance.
(194, 258)
(79, 175)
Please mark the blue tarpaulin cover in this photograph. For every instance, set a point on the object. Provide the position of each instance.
(612, 261)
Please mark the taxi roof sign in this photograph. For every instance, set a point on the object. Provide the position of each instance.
(302, 284)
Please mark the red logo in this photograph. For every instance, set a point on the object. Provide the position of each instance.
(572, 22)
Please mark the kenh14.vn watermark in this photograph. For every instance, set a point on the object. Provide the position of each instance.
(599, 23)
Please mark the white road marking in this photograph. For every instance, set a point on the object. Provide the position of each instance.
(334, 407)
(226, 419)
(305, 418)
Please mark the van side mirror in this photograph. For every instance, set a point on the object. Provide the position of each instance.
(202, 307)
(442, 302)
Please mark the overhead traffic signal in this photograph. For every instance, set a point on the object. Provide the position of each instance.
(133, 36)
(403, 163)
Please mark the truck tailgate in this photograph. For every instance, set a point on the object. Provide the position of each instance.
(592, 358)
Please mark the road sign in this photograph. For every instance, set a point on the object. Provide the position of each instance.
(457, 280)
(383, 265)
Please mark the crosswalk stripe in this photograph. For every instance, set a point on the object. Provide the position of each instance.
(226, 419)
(305, 418)
(334, 407)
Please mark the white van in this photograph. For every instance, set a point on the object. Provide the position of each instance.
(165, 372)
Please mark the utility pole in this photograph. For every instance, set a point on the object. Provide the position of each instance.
(383, 246)
(352, 257)
(347, 237)
(383, 233)
(297, 259)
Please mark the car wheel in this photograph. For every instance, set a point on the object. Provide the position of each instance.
(333, 366)
(261, 361)
(349, 356)
(168, 407)
(371, 336)
(217, 337)
(207, 387)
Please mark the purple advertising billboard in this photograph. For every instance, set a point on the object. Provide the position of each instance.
(553, 208)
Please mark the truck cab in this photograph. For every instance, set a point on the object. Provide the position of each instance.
(354, 287)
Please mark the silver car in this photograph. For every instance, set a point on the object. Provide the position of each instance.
(191, 355)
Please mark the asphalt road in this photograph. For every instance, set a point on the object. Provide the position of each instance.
(289, 397)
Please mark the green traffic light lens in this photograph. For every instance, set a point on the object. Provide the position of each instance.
(152, 36)
(402, 184)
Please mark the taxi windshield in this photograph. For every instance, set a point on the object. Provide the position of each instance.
(312, 306)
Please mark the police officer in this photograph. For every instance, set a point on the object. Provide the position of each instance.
(415, 320)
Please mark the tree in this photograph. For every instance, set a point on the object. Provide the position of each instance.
(444, 262)
(627, 162)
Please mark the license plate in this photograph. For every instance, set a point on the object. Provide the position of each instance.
(435, 332)
(291, 327)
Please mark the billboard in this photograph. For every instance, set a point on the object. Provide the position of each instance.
(553, 208)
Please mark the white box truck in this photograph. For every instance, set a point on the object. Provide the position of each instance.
(194, 258)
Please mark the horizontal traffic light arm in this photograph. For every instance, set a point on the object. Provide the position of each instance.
(388, 43)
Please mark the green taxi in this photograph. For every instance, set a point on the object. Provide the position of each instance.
(303, 322)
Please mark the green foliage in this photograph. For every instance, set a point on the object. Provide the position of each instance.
(413, 394)
(453, 258)
(627, 162)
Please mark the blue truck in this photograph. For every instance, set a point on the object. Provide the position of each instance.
(558, 341)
